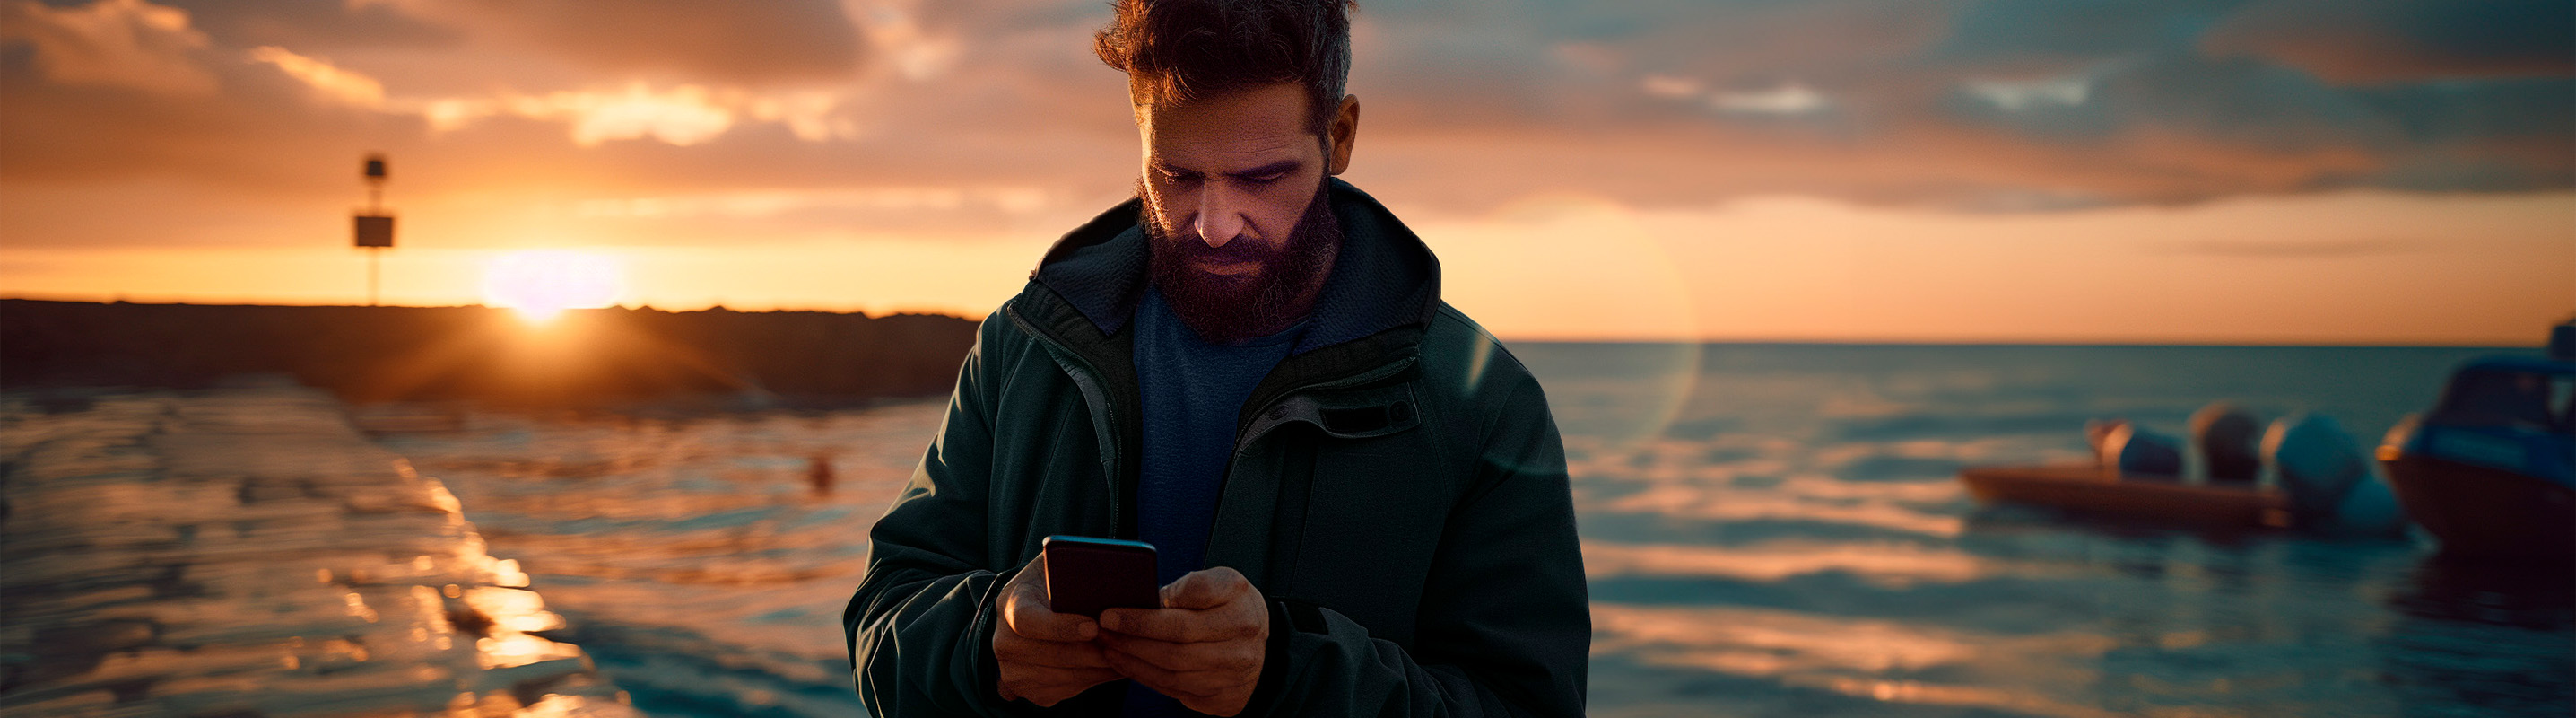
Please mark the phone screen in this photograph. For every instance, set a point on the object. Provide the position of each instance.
(1087, 574)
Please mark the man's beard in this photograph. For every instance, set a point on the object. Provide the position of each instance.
(1229, 309)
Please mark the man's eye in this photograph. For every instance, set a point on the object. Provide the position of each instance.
(1265, 179)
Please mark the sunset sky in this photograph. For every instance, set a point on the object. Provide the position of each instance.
(2327, 171)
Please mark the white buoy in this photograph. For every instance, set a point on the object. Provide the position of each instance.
(2371, 509)
(2135, 452)
(2329, 478)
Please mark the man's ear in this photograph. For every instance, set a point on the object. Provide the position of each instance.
(1344, 131)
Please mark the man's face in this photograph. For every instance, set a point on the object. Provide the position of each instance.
(1233, 189)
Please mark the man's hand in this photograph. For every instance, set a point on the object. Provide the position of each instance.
(1044, 656)
(1203, 648)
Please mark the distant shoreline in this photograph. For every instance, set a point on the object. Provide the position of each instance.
(582, 358)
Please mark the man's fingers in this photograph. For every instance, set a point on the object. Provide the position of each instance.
(1025, 611)
(1208, 588)
(1216, 656)
(1026, 614)
(1177, 684)
(1045, 656)
(1171, 625)
(1018, 649)
(1178, 625)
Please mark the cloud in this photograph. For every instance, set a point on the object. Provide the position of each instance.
(1998, 104)
(2385, 41)
(332, 82)
(1786, 99)
(1987, 105)
(2048, 35)
(119, 43)
(1670, 87)
(683, 115)
(2020, 96)
(748, 42)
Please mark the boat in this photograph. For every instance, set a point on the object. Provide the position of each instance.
(2491, 469)
(2302, 471)
(2095, 490)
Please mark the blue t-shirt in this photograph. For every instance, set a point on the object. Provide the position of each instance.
(1193, 391)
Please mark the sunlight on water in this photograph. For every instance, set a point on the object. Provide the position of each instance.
(246, 553)
(1791, 541)
(1893, 565)
(702, 559)
(1797, 539)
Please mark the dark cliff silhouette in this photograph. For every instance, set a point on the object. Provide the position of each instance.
(584, 357)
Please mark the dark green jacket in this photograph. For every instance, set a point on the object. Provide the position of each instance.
(1398, 491)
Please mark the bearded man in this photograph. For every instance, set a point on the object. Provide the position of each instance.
(1359, 496)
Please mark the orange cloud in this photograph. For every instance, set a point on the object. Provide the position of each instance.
(684, 115)
(1963, 178)
(332, 82)
(118, 43)
(742, 42)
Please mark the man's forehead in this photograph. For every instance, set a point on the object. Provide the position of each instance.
(1239, 129)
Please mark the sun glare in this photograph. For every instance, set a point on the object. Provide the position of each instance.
(540, 284)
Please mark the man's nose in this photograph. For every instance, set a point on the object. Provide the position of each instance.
(1220, 216)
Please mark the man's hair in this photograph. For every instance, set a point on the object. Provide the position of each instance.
(1176, 51)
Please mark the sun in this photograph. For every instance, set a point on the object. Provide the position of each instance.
(541, 283)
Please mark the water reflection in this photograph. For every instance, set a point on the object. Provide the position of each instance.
(1887, 564)
(701, 559)
(2484, 633)
(1796, 543)
(1886, 661)
(245, 553)
(1798, 548)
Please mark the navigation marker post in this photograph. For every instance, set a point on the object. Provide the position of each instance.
(374, 228)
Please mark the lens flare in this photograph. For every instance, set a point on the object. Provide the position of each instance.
(1626, 350)
(540, 284)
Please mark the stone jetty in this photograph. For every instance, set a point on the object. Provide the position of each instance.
(243, 552)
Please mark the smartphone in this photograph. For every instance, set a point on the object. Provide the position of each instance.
(1087, 574)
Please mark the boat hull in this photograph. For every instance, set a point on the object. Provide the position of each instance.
(2089, 490)
(2482, 511)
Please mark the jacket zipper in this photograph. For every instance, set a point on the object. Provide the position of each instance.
(1086, 379)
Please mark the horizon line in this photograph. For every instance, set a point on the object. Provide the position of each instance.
(1856, 341)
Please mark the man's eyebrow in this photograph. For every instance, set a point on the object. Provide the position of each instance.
(1275, 168)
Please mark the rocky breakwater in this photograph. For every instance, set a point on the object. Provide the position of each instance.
(243, 552)
(582, 358)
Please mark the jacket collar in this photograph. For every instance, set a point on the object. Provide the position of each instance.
(1384, 278)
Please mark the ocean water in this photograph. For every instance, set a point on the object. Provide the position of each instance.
(1768, 530)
